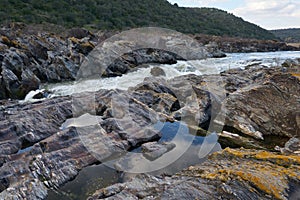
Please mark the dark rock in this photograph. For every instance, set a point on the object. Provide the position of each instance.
(37, 94)
(11, 83)
(131, 60)
(35, 56)
(3, 92)
(79, 33)
(29, 81)
(157, 71)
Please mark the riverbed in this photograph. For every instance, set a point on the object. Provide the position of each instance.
(105, 174)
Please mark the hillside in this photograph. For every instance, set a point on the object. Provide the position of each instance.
(124, 14)
(288, 35)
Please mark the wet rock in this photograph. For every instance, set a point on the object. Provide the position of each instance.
(154, 150)
(41, 94)
(157, 71)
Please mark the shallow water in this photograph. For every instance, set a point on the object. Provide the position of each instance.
(86, 183)
(189, 150)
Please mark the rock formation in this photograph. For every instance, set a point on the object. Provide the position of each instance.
(43, 145)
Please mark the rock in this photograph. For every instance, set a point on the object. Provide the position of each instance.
(11, 83)
(41, 94)
(58, 57)
(35, 56)
(79, 33)
(37, 94)
(291, 147)
(39, 150)
(129, 61)
(29, 81)
(154, 150)
(37, 155)
(3, 92)
(255, 119)
(157, 71)
(230, 174)
(243, 45)
(213, 49)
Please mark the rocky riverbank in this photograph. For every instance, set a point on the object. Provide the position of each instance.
(243, 45)
(30, 56)
(41, 149)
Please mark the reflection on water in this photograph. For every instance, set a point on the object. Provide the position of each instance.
(86, 183)
(190, 150)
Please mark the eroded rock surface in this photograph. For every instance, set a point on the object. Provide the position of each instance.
(45, 144)
(154, 150)
(230, 174)
(31, 56)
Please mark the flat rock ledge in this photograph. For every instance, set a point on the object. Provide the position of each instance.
(230, 174)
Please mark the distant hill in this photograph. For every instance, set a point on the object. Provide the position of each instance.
(291, 35)
(125, 14)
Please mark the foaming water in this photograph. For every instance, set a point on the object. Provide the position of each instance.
(198, 67)
(121, 82)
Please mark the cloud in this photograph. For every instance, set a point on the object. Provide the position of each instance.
(271, 13)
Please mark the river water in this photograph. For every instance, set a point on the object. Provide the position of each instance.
(198, 67)
(99, 176)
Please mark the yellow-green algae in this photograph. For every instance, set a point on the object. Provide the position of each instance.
(265, 171)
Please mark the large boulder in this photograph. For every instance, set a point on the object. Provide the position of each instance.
(129, 61)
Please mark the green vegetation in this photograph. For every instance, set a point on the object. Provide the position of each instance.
(291, 35)
(125, 14)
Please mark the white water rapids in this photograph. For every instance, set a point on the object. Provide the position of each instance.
(198, 67)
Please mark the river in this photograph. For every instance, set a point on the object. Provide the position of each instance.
(198, 67)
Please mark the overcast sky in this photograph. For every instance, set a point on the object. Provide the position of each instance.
(269, 14)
